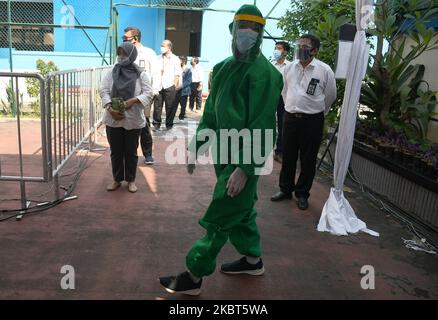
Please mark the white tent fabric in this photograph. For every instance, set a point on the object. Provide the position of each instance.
(338, 216)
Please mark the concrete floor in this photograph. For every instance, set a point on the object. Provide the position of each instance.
(119, 243)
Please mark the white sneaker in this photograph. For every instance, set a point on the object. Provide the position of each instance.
(113, 186)
(132, 187)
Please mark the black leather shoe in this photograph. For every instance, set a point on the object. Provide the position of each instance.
(279, 196)
(302, 203)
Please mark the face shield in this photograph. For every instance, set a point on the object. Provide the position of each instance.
(247, 38)
(303, 51)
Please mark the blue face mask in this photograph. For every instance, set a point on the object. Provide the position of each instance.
(277, 54)
(246, 39)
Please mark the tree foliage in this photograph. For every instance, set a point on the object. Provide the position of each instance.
(394, 89)
(33, 85)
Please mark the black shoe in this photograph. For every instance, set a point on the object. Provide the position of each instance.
(182, 283)
(302, 203)
(149, 160)
(279, 196)
(243, 267)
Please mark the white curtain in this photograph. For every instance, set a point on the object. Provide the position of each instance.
(338, 216)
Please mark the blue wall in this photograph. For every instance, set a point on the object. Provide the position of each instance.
(72, 48)
(150, 21)
(74, 40)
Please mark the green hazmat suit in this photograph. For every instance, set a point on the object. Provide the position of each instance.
(244, 96)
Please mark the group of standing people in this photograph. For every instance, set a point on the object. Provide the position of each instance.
(173, 83)
(191, 88)
(141, 78)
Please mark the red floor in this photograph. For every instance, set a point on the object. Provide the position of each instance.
(119, 243)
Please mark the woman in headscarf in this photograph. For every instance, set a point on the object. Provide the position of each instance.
(129, 83)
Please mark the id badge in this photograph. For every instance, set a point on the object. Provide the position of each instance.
(312, 86)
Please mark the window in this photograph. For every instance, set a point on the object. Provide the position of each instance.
(183, 28)
(28, 38)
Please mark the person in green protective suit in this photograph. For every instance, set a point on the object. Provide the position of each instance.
(244, 95)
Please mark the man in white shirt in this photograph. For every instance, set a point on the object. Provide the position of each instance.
(282, 49)
(197, 77)
(167, 82)
(147, 60)
(309, 91)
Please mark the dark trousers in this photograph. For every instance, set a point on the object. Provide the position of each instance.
(302, 136)
(280, 116)
(146, 139)
(181, 100)
(167, 97)
(195, 96)
(123, 144)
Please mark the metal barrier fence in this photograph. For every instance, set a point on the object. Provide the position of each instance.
(71, 112)
(15, 99)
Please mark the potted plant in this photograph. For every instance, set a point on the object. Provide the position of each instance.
(409, 151)
(431, 172)
(397, 155)
(380, 144)
(417, 161)
(424, 163)
(360, 136)
(389, 151)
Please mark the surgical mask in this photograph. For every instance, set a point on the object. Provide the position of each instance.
(277, 54)
(122, 61)
(164, 50)
(246, 39)
(304, 54)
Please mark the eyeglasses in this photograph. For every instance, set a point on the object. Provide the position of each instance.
(125, 39)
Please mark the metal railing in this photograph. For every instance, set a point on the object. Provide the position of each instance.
(16, 103)
(71, 113)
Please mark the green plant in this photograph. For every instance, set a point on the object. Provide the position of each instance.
(33, 85)
(9, 107)
(394, 88)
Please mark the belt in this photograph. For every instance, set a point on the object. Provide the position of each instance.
(300, 115)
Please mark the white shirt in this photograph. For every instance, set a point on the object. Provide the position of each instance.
(197, 73)
(168, 68)
(281, 66)
(297, 81)
(147, 59)
(134, 116)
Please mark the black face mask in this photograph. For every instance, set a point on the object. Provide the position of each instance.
(304, 54)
